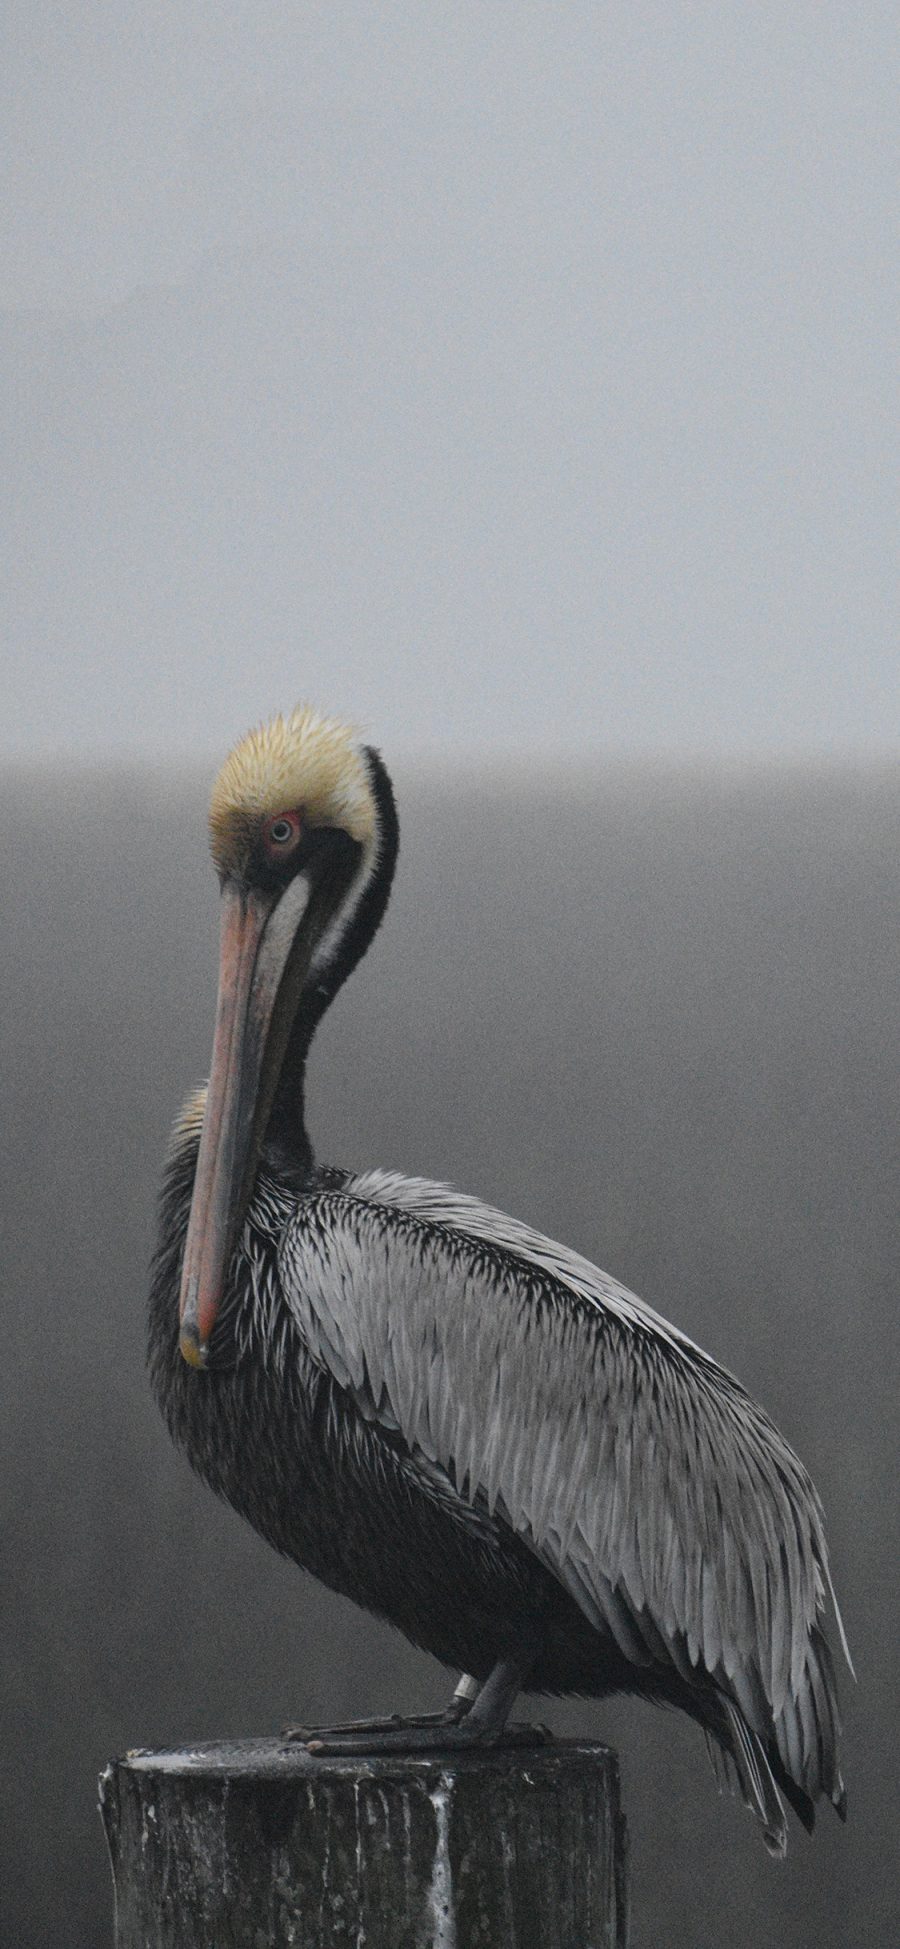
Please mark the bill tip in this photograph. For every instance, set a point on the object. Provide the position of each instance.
(193, 1349)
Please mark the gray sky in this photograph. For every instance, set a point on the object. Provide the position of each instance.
(503, 376)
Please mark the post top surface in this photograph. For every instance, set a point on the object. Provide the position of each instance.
(276, 1759)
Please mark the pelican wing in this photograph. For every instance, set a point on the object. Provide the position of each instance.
(661, 1496)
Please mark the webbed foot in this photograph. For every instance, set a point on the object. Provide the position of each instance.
(466, 1723)
(362, 1730)
(409, 1737)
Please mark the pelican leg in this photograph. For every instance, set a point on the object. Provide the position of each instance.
(450, 1715)
(482, 1723)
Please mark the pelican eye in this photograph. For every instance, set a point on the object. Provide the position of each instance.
(282, 834)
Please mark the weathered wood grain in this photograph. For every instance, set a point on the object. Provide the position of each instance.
(259, 1846)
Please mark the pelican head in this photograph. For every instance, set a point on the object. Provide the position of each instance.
(296, 825)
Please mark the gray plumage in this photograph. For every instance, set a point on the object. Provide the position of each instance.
(468, 1428)
(639, 1471)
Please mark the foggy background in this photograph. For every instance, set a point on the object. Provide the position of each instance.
(505, 376)
(653, 1013)
(515, 382)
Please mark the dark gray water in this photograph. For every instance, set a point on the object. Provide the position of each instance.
(655, 1015)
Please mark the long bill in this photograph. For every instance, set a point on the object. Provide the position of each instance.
(257, 936)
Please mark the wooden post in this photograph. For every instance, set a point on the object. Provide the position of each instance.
(260, 1846)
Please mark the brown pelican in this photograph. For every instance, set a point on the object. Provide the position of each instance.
(466, 1427)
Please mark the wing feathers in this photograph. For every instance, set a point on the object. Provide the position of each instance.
(757, 1785)
(663, 1499)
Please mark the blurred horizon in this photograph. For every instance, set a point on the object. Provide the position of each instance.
(517, 386)
(582, 771)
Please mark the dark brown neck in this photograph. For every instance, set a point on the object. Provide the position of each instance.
(287, 1145)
